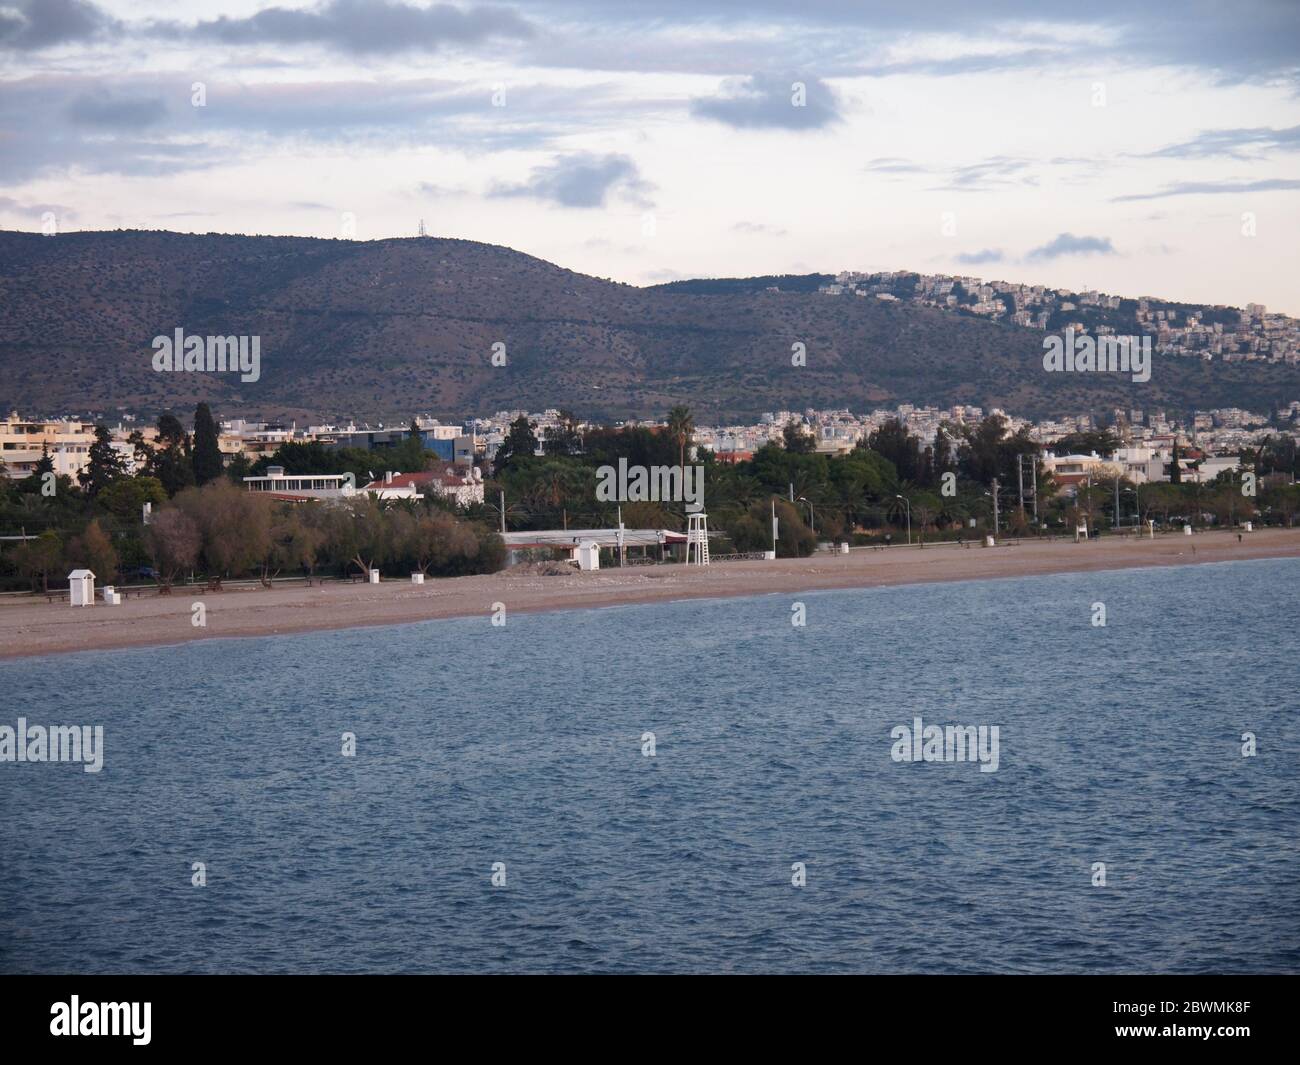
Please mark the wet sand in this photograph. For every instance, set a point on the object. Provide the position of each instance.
(30, 625)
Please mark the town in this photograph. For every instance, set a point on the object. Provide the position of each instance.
(217, 501)
(1182, 330)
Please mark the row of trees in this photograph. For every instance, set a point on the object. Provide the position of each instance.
(223, 532)
(876, 487)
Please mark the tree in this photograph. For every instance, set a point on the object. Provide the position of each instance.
(520, 443)
(681, 426)
(104, 465)
(94, 551)
(358, 534)
(431, 539)
(1102, 441)
(796, 440)
(173, 542)
(140, 450)
(292, 541)
(1284, 501)
(37, 559)
(564, 437)
(170, 462)
(45, 464)
(125, 498)
(753, 531)
(893, 442)
(208, 464)
(234, 527)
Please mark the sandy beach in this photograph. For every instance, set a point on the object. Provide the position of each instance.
(33, 626)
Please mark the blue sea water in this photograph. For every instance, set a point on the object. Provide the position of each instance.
(523, 745)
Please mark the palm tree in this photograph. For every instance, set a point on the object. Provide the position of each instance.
(681, 426)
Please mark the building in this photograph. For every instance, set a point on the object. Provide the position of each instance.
(67, 442)
(636, 543)
(295, 487)
(462, 488)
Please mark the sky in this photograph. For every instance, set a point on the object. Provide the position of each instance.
(1139, 149)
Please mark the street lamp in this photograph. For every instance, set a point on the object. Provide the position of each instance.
(812, 517)
(1137, 506)
(908, 503)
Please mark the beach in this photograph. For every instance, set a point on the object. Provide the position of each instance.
(31, 625)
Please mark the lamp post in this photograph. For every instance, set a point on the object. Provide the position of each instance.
(812, 516)
(1137, 506)
(908, 503)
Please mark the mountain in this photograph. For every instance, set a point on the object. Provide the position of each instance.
(383, 329)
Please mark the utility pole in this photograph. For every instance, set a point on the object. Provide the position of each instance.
(503, 512)
(792, 491)
(774, 526)
(1035, 491)
(995, 506)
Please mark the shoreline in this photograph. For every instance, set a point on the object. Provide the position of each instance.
(32, 627)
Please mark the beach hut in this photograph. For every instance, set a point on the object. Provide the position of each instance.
(588, 555)
(81, 586)
(417, 578)
(374, 576)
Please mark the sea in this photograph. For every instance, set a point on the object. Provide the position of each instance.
(696, 786)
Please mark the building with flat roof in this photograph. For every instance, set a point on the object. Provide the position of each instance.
(637, 543)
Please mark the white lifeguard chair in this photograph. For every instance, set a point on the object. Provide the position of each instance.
(697, 536)
(81, 587)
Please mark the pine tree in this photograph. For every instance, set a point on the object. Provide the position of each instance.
(520, 443)
(105, 465)
(208, 464)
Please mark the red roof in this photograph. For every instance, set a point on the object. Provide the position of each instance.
(444, 476)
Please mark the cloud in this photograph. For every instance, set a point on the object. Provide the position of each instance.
(991, 173)
(362, 26)
(758, 229)
(581, 180)
(1069, 244)
(109, 111)
(20, 207)
(1211, 188)
(889, 164)
(976, 258)
(30, 25)
(1249, 143)
(771, 101)
(56, 122)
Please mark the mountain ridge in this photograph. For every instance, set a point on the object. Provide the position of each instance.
(383, 329)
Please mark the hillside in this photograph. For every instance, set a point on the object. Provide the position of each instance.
(381, 329)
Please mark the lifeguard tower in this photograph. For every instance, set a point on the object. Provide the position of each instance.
(697, 537)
